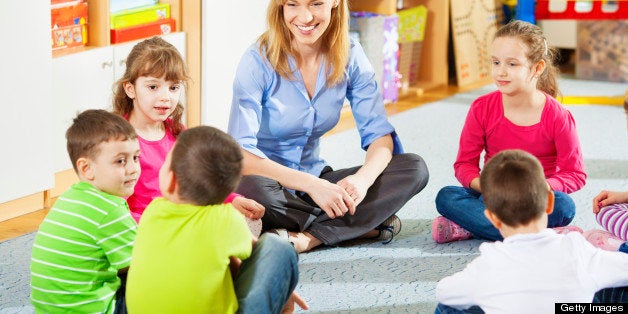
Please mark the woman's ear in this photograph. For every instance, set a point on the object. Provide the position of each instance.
(129, 89)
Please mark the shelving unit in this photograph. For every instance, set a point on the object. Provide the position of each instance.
(433, 68)
(83, 64)
(98, 25)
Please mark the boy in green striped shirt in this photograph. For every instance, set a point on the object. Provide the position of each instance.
(84, 244)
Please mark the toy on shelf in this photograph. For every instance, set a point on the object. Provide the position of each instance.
(68, 23)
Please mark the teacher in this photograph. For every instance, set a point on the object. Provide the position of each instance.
(289, 89)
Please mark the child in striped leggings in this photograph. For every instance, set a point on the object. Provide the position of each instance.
(611, 212)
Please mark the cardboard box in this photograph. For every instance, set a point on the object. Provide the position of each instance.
(161, 27)
(139, 16)
(601, 52)
(474, 23)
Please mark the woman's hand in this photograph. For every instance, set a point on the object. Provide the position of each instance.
(606, 198)
(356, 187)
(248, 207)
(331, 198)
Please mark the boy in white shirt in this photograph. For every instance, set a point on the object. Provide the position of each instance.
(534, 267)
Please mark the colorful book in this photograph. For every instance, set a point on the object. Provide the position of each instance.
(139, 16)
(160, 27)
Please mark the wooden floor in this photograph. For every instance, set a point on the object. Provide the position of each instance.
(30, 222)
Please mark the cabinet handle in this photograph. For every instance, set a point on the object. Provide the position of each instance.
(106, 64)
(122, 62)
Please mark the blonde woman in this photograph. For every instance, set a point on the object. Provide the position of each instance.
(289, 89)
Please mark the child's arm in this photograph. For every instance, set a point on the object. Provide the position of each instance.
(606, 198)
(570, 176)
(234, 262)
(234, 266)
(294, 299)
(459, 289)
(248, 207)
(472, 138)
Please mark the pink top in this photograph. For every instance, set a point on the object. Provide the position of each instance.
(152, 157)
(554, 141)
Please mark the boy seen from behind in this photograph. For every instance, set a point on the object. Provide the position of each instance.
(84, 244)
(190, 246)
(534, 267)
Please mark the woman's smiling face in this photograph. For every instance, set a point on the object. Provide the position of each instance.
(308, 20)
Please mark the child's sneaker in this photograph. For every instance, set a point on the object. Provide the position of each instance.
(567, 229)
(603, 239)
(445, 230)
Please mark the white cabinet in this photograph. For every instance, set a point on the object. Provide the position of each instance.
(25, 69)
(85, 80)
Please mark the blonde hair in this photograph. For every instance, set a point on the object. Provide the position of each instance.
(275, 42)
(538, 49)
(152, 57)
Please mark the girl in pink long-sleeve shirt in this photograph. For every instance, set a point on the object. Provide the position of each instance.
(521, 114)
(148, 96)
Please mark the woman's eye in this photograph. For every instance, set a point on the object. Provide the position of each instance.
(121, 161)
(152, 87)
(136, 158)
(174, 87)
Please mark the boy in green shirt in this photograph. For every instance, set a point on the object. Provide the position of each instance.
(84, 244)
(189, 246)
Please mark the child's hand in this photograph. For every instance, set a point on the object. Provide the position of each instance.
(294, 299)
(606, 198)
(248, 207)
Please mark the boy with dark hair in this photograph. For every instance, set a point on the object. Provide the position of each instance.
(534, 267)
(84, 244)
(189, 246)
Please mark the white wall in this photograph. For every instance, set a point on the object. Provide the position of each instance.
(228, 30)
(25, 75)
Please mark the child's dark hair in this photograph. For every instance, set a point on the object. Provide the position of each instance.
(152, 57)
(206, 163)
(514, 187)
(92, 127)
(538, 49)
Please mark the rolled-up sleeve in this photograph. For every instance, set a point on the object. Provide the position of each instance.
(366, 101)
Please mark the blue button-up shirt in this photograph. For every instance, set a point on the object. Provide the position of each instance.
(273, 117)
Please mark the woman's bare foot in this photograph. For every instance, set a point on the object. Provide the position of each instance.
(303, 241)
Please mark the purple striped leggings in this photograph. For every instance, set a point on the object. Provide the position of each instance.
(614, 218)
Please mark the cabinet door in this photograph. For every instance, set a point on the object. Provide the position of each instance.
(25, 165)
(80, 81)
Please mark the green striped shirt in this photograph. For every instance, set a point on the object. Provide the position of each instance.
(84, 240)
